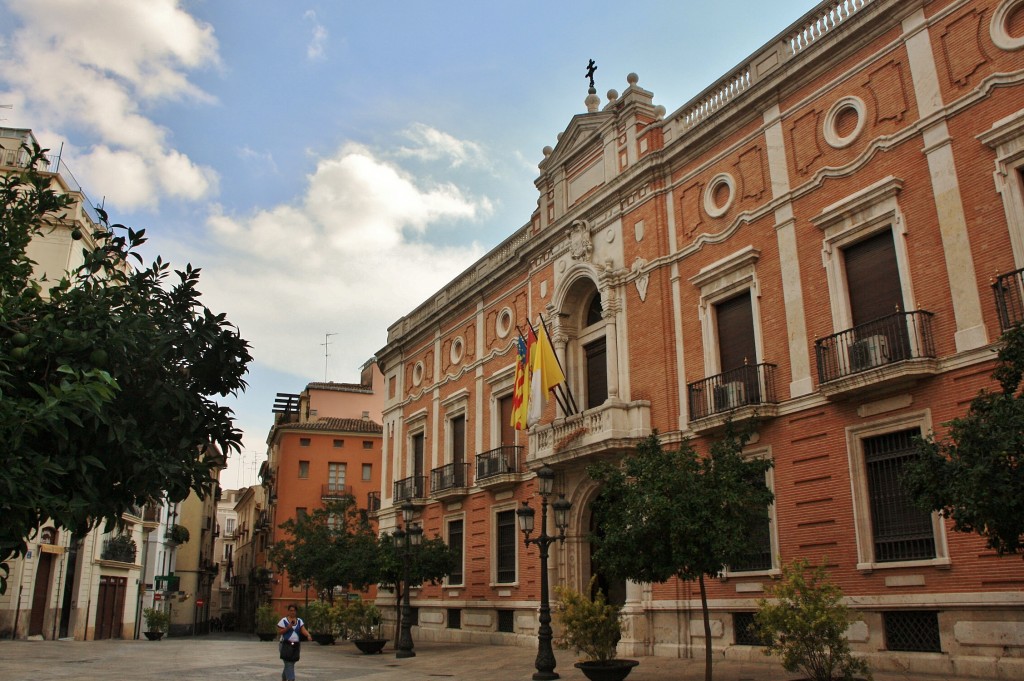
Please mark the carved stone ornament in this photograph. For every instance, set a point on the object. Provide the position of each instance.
(580, 245)
(643, 279)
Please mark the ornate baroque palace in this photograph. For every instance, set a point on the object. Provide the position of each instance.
(830, 238)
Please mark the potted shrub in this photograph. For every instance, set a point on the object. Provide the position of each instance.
(806, 625)
(592, 627)
(266, 622)
(178, 534)
(157, 620)
(321, 622)
(362, 621)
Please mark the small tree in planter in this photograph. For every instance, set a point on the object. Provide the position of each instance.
(321, 622)
(806, 625)
(362, 620)
(156, 623)
(266, 622)
(592, 627)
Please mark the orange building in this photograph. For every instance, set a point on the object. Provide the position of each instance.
(325, 444)
(813, 238)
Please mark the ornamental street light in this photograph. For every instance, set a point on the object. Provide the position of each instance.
(545, 663)
(411, 536)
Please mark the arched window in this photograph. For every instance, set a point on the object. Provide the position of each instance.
(586, 352)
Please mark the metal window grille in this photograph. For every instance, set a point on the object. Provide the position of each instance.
(507, 621)
(454, 618)
(912, 631)
(759, 542)
(743, 628)
(506, 525)
(901, 531)
(455, 539)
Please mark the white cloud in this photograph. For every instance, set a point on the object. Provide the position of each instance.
(433, 145)
(316, 50)
(351, 256)
(93, 66)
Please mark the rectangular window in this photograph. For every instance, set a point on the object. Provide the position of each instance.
(458, 434)
(230, 526)
(367, 444)
(367, 471)
(759, 543)
(505, 524)
(417, 454)
(915, 631)
(507, 621)
(743, 630)
(454, 618)
(900, 530)
(304, 441)
(508, 433)
(339, 443)
(336, 477)
(597, 372)
(303, 469)
(301, 512)
(455, 539)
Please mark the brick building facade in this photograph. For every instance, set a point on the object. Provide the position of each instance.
(813, 239)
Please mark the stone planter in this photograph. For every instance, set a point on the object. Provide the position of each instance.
(154, 635)
(324, 639)
(612, 670)
(370, 646)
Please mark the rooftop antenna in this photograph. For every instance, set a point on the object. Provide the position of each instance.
(327, 342)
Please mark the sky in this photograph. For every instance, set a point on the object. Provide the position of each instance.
(329, 165)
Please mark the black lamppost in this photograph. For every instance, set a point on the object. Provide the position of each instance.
(545, 480)
(411, 535)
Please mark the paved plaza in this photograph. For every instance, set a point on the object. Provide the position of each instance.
(231, 657)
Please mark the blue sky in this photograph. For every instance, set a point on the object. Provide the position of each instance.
(331, 164)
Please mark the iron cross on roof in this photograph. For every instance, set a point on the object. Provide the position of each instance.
(591, 67)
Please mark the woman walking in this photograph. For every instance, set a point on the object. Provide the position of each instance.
(292, 630)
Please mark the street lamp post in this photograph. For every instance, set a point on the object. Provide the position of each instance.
(411, 536)
(545, 663)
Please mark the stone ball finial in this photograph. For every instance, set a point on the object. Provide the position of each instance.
(592, 101)
(659, 112)
(613, 95)
(547, 151)
(632, 79)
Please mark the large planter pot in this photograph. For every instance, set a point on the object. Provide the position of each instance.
(154, 635)
(612, 670)
(370, 646)
(265, 636)
(324, 639)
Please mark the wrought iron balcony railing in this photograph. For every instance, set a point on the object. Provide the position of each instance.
(504, 459)
(1009, 291)
(121, 548)
(749, 385)
(887, 340)
(410, 488)
(373, 502)
(335, 490)
(449, 476)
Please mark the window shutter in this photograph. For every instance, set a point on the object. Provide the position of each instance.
(735, 323)
(873, 278)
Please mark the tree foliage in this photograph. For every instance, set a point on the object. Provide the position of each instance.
(975, 475)
(806, 625)
(590, 625)
(668, 514)
(334, 546)
(107, 375)
(431, 562)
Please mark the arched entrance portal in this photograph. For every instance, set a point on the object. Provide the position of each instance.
(614, 589)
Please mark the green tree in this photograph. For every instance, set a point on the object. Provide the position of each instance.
(332, 546)
(806, 625)
(107, 375)
(975, 475)
(431, 562)
(668, 514)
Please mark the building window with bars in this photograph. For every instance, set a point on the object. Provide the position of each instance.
(455, 539)
(505, 546)
(900, 530)
(758, 557)
(914, 631)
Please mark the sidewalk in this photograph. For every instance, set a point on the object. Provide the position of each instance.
(240, 657)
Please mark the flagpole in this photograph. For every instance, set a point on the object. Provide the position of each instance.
(560, 398)
(570, 399)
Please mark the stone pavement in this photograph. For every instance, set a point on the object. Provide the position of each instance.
(240, 657)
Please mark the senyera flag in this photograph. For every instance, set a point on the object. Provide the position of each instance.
(521, 391)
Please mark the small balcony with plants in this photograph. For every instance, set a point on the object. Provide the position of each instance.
(500, 467)
(737, 395)
(882, 355)
(334, 491)
(450, 482)
(119, 549)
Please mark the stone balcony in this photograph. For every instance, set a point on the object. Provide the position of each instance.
(602, 430)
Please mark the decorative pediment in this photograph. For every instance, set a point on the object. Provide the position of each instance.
(581, 139)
